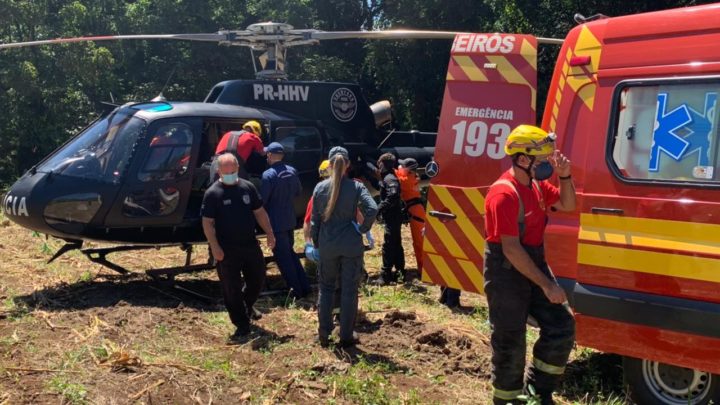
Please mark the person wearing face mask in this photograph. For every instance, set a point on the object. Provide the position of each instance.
(230, 211)
(518, 281)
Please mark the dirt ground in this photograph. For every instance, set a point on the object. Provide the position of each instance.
(74, 332)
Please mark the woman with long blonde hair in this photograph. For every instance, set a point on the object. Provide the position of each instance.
(338, 238)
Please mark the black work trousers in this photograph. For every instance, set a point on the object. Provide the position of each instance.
(392, 248)
(242, 274)
(511, 298)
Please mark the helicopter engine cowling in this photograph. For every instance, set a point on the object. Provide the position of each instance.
(382, 112)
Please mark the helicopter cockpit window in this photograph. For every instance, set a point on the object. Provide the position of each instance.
(101, 152)
(169, 154)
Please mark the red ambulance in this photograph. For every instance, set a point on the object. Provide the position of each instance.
(633, 101)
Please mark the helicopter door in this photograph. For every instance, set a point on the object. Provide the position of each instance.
(158, 187)
(303, 143)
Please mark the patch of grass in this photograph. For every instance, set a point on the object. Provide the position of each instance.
(162, 330)
(365, 383)
(219, 319)
(224, 366)
(85, 277)
(594, 378)
(378, 298)
(10, 340)
(17, 310)
(72, 392)
(73, 357)
(362, 389)
(209, 362)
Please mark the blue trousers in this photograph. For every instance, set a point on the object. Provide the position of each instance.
(289, 264)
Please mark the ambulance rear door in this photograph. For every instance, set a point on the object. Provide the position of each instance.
(491, 88)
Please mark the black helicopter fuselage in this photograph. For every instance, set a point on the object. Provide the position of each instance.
(138, 174)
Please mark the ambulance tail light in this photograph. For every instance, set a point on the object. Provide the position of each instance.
(580, 61)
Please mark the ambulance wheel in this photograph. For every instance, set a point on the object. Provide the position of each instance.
(651, 383)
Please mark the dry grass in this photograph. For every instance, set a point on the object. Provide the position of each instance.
(74, 332)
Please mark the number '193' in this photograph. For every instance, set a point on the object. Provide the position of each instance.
(472, 139)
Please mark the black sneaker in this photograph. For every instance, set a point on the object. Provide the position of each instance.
(241, 333)
(324, 341)
(348, 343)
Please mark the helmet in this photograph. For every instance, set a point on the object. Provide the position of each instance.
(324, 169)
(530, 140)
(254, 126)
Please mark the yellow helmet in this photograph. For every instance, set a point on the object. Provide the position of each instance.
(324, 169)
(530, 140)
(254, 127)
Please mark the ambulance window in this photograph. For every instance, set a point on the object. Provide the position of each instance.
(667, 132)
(169, 154)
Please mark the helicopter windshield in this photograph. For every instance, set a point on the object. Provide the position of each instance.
(101, 152)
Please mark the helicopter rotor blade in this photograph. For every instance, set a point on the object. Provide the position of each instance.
(214, 37)
(400, 34)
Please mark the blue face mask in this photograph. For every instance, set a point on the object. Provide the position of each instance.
(543, 171)
(230, 179)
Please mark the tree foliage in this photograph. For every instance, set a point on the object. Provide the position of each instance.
(49, 93)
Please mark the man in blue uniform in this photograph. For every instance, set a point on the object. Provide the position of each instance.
(280, 185)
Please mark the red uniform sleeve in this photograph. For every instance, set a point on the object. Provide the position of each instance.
(501, 217)
(551, 194)
(308, 211)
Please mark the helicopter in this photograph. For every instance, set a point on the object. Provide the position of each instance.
(136, 176)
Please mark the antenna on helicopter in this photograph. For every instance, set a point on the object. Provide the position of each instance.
(161, 97)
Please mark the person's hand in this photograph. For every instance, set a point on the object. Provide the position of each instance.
(357, 227)
(270, 241)
(370, 239)
(218, 253)
(560, 163)
(555, 293)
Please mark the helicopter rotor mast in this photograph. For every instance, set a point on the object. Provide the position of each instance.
(270, 37)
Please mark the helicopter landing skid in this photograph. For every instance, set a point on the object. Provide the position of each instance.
(99, 256)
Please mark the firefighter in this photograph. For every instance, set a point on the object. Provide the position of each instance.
(518, 281)
(246, 145)
(390, 210)
(410, 194)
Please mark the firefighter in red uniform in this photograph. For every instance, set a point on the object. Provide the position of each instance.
(518, 281)
(248, 150)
